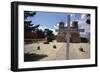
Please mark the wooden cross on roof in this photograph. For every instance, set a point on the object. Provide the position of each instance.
(67, 31)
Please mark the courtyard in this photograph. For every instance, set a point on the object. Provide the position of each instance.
(57, 50)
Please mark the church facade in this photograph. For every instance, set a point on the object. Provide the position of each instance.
(74, 35)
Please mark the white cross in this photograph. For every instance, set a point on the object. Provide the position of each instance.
(67, 31)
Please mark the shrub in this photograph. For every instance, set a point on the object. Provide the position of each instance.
(84, 40)
(38, 48)
(54, 46)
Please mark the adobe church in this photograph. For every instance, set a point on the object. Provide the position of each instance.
(75, 35)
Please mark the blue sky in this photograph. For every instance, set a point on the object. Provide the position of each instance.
(48, 19)
(51, 20)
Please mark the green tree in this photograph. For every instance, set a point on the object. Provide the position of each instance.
(40, 33)
(49, 34)
(28, 26)
(29, 14)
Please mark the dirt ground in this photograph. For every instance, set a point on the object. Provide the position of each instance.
(60, 51)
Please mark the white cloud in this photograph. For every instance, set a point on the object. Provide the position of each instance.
(83, 25)
(43, 28)
(83, 17)
(54, 31)
(55, 27)
(57, 24)
(66, 25)
(86, 27)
